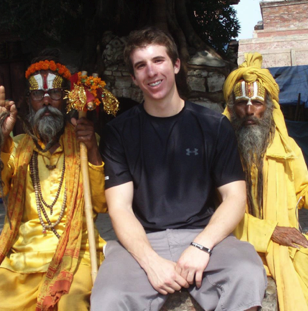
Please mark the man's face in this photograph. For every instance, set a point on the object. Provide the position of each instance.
(154, 72)
(249, 102)
(252, 121)
(46, 90)
(46, 105)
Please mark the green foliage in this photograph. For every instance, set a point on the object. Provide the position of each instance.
(52, 22)
(214, 21)
(41, 21)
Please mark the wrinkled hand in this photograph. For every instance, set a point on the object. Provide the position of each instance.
(164, 277)
(289, 237)
(192, 264)
(85, 133)
(7, 107)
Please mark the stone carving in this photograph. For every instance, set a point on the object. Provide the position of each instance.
(113, 49)
(204, 58)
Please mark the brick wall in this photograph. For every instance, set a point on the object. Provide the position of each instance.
(285, 14)
(283, 39)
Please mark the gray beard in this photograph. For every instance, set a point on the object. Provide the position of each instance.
(46, 128)
(253, 140)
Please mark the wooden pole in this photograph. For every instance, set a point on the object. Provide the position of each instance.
(88, 204)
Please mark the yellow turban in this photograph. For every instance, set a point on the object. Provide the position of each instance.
(251, 71)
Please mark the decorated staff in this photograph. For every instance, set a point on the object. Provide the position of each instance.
(87, 93)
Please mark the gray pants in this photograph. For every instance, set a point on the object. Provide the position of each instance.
(234, 279)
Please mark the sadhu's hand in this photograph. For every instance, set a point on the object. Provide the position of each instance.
(85, 133)
(289, 237)
(9, 108)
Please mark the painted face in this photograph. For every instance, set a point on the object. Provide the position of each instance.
(46, 89)
(154, 72)
(249, 101)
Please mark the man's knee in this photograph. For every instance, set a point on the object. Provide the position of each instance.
(248, 263)
(105, 296)
(242, 265)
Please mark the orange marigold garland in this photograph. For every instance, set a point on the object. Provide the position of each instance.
(48, 65)
(88, 92)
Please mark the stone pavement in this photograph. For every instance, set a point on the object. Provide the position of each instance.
(182, 301)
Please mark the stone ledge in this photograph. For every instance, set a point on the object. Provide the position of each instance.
(181, 301)
(184, 302)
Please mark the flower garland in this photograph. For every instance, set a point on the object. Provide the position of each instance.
(48, 65)
(92, 84)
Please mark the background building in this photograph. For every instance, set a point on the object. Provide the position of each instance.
(282, 35)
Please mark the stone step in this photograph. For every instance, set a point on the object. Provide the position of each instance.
(182, 301)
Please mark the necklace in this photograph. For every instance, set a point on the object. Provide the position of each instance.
(40, 202)
(51, 167)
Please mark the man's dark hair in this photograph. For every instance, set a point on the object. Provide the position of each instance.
(150, 35)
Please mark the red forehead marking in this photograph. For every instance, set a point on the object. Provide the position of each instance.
(45, 86)
(250, 89)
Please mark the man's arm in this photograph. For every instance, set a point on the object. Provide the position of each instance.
(193, 261)
(161, 272)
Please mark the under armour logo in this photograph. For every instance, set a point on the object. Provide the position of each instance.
(189, 152)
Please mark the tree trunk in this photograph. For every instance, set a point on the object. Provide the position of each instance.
(192, 38)
(159, 9)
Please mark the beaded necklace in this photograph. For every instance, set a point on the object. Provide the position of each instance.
(49, 166)
(40, 202)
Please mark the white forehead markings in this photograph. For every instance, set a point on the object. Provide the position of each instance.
(40, 81)
(254, 95)
(50, 78)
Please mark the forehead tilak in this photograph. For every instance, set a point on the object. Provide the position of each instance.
(244, 90)
(45, 81)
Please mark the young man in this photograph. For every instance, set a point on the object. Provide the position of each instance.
(44, 254)
(164, 161)
(276, 177)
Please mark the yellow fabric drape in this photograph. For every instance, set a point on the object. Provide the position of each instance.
(18, 292)
(73, 239)
(285, 183)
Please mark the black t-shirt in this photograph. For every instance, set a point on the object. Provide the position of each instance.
(175, 163)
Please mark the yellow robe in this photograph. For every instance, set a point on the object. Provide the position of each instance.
(285, 187)
(32, 250)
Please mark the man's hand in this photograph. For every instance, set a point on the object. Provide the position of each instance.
(164, 277)
(85, 133)
(289, 237)
(10, 108)
(191, 265)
